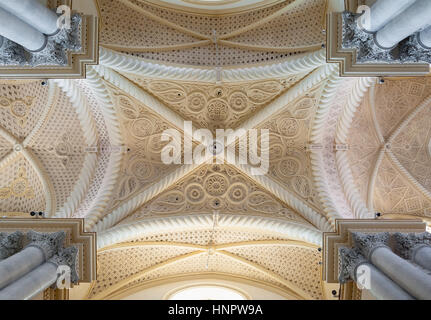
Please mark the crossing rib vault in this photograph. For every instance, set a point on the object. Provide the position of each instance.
(340, 147)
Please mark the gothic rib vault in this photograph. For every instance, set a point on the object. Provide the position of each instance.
(340, 147)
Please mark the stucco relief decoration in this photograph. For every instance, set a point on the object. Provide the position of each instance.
(18, 108)
(19, 188)
(143, 129)
(215, 106)
(215, 187)
(289, 161)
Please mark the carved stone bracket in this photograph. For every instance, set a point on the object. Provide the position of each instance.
(10, 243)
(407, 242)
(49, 243)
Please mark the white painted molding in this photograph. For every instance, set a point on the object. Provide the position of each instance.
(88, 126)
(319, 176)
(293, 65)
(289, 229)
(99, 205)
(344, 123)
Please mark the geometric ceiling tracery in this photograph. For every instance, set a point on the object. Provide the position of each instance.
(220, 252)
(389, 147)
(243, 38)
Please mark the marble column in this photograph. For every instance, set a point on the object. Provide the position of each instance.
(354, 266)
(33, 13)
(20, 32)
(415, 247)
(409, 277)
(424, 38)
(41, 247)
(413, 19)
(10, 243)
(42, 277)
(383, 11)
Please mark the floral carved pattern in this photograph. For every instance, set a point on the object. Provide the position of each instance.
(18, 108)
(289, 162)
(19, 188)
(215, 106)
(142, 131)
(215, 188)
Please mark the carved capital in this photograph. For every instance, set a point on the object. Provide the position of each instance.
(367, 243)
(67, 257)
(407, 242)
(49, 243)
(354, 37)
(10, 244)
(55, 52)
(350, 260)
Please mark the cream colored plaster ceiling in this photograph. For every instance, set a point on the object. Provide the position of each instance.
(290, 266)
(258, 36)
(389, 147)
(339, 147)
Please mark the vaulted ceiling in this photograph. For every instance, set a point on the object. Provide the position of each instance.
(339, 147)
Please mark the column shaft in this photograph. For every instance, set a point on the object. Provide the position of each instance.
(413, 19)
(425, 38)
(33, 13)
(422, 256)
(20, 32)
(383, 11)
(31, 284)
(381, 286)
(407, 276)
(19, 264)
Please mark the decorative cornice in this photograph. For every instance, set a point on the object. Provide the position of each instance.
(10, 243)
(292, 230)
(125, 63)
